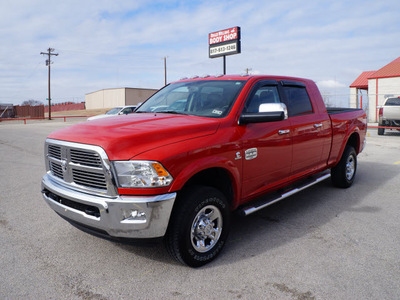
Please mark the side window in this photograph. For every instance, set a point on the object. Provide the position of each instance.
(298, 101)
(265, 94)
(127, 110)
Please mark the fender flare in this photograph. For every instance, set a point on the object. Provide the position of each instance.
(199, 165)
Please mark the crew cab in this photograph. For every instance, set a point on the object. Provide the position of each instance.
(389, 115)
(213, 147)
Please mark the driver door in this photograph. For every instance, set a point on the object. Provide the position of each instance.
(266, 147)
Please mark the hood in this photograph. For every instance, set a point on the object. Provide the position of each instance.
(126, 137)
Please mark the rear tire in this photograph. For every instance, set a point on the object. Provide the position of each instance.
(344, 173)
(381, 131)
(199, 226)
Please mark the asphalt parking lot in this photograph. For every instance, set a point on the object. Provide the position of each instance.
(323, 243)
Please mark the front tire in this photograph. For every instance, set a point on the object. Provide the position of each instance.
(199, 226)
(344, 173)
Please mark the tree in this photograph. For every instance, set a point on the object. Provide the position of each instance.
(32, 102)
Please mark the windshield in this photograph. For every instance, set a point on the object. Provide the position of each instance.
(113, 111)
(210, 98)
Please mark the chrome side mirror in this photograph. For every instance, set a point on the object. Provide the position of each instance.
(274, 107)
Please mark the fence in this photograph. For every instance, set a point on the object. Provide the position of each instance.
(25, 111)
(336, 100)
(65, 106)
(7, 111)
(22, 111)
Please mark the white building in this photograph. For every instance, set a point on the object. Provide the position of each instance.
(378, 86)
(109, 98)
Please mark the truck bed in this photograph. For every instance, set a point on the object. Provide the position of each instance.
(338, 110)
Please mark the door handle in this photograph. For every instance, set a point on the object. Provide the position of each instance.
(284, 131)
(319, 125)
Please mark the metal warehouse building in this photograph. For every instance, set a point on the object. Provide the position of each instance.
(109, 98)
(378, 85)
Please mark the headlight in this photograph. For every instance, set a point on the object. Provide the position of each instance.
(139, 173)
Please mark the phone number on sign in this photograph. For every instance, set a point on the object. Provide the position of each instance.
(223, 49)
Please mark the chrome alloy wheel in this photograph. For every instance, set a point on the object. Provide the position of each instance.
(206, 228)
(350, 167)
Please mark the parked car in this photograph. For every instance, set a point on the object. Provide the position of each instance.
(120, 110)
(179, 174)
(389, 114)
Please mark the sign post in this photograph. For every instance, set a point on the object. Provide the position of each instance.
(224, 42)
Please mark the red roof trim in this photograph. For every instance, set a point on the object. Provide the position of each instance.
(392, 69)
(362, 81)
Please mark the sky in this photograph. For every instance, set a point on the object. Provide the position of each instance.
(111, 44)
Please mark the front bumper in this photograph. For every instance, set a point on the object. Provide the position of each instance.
(119, 217)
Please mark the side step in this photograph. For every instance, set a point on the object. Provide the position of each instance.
(279, 195)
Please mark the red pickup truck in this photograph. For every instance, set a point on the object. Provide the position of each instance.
(193, 153)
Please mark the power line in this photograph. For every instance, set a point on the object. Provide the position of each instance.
(48, 63)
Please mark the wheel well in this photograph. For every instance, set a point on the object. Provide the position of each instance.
(354, 142)
(215, 177)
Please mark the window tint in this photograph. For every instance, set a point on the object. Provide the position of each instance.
(393, 102)
(265, 94)
(205, 98)
(298, 101)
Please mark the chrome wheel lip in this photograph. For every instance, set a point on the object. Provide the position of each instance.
(350, 167)
(206, 228)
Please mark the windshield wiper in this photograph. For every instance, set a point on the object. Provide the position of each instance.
(170, 112)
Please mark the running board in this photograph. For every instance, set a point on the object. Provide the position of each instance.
(277, 196)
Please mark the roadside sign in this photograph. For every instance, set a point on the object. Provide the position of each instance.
(224, 42)
(224, 35)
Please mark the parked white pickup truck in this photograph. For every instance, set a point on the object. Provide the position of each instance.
(389, 114)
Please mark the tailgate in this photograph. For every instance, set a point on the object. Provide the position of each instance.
(391, 112)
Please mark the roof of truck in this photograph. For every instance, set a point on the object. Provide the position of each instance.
(241, 77)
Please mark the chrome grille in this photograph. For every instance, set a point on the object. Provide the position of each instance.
(86, 158)
(56, 170)
(55, 151)
(89, 179)
(80, 166)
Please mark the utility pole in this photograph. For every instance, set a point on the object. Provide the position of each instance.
(165, 70)
(48, 63)
(248, 70)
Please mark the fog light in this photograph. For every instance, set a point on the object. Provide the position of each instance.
(133, 216)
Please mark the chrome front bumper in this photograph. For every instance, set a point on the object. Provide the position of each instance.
(120, 216)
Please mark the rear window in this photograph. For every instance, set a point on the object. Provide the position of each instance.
(298, 101)
(393, 102)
